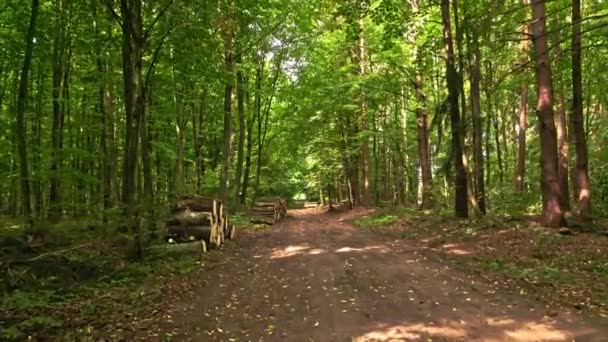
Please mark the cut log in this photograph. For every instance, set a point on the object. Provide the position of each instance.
(191, 218)
(309, 205)
(193, 205)
(231, 232)
(209, 234)
(196, 248)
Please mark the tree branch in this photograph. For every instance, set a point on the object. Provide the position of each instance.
(114, 14)
(160, 14)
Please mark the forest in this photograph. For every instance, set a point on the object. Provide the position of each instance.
(470, 110)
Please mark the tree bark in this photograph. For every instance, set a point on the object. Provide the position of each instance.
(460, 183)
(240, 93)
(106, 109)
(226, 146)
(21, 133)
(553, 215)
(60, 49)
(523, 113)
(480, 192)
(581, 172)
(422, 120)
(367, 193)
(132, 52)
(250, 123)
(562, 149)
(197, 126)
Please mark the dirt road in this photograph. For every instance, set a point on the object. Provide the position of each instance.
(314, 277)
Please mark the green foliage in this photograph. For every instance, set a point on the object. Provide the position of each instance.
(506, 201)
(377, 220)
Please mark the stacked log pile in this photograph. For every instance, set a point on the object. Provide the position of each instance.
(268, 210)
(198, 218)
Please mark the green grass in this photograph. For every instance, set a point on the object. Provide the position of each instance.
(377, 220)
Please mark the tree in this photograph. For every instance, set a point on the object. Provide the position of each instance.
(581, 173)
(460, 183)
(26, 207)
(228, 34)
(523, 111)
(553, 215)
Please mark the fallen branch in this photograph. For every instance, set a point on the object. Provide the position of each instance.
(58, 252)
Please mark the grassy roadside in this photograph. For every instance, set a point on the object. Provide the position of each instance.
(568, 270)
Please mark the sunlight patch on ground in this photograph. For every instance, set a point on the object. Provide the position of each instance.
(299, 250)
(407, 332)
(533, 331)
(380, 249)
(496, 330)
(289, 251)
(455, 249)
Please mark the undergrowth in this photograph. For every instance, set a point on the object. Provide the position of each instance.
(58, 279)
(510, 244)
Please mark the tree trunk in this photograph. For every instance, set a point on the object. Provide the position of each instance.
(480, 192)
(37, 148)
(106, 110)
(581, 172)
(367, 193)
(240, 93)
(21, 133)
(197, 126)
(422, 120)
(132, 51)
(146, 154)
(59, 75)
(460, 184)
(562, 151)
(226, 146)
(180, 126)
(523, 113)
(245, 187)
(553, 215)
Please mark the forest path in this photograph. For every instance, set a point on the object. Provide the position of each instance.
(315, 277)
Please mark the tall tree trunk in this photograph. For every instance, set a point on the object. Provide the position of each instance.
(480, 192)
(146, 153)
(180, 126)
(240, 93)
(553, 215)
(60, 52)
(250, 124)
(106, 109)
(226, 146)
(581, 172)
(422, 126)
(460, 183)
(561, 127)
(523, 113)
(422, 120)
(562, 151)
(197, 125)
(21, 133)
(37, 150)
(132, 51)
(499, 151)
(367, 193)
(258, 115)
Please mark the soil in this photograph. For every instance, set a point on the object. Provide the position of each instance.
(315, 277)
